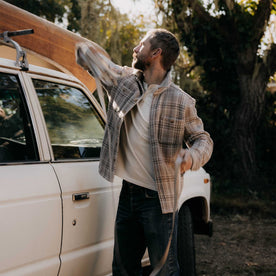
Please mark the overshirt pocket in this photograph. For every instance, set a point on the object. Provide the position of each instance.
(171, 131)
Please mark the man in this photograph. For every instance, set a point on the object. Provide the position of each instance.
(149, 119)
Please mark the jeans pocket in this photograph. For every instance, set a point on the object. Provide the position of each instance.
(150, 194)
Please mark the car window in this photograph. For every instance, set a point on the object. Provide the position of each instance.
(17, 141)
(75, 128)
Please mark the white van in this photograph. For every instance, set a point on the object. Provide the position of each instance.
(57, 213)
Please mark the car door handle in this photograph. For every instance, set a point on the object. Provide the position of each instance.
(80, 196)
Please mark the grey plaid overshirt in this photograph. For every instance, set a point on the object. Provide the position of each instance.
(173, 123)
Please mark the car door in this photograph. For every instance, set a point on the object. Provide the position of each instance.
(76, 132)
(30, 196)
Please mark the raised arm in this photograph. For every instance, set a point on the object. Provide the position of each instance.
(95, 60)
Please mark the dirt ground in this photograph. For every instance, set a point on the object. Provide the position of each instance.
(240, 245)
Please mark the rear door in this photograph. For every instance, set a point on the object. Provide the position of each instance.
(76, 131)
(30, 197)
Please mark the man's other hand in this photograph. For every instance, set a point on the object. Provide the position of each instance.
(187, 160)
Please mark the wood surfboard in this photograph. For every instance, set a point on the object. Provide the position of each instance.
(48, 40)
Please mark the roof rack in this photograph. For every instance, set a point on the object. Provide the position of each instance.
(21, 56)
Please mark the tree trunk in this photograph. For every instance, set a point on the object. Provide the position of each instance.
(248, 114)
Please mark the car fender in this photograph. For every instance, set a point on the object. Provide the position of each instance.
(195, 193)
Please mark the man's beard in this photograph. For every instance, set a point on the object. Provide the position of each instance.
(140, 63)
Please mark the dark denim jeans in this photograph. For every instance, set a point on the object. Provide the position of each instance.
(140, 224)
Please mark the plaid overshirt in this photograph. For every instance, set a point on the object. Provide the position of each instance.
(173, 123)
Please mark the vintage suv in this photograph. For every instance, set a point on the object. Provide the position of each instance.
(57, 212)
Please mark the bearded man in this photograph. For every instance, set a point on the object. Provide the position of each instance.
(149, 119)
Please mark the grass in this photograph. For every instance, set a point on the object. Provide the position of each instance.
(250, 205)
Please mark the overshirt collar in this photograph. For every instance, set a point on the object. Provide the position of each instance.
(164, 84)
(166, 81)
(159, 87)
(139, 74)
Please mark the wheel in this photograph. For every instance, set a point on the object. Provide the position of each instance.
(185, 243)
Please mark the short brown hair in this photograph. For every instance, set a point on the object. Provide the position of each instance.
(161, 38)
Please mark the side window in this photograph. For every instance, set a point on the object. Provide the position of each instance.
(16, 134)
(75, 128)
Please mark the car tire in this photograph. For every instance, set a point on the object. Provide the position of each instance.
(185, 243)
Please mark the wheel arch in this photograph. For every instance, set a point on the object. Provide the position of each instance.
(200, 215)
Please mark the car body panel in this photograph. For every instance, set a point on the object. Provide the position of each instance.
(88, 223)
(197, 184)
(31, 219)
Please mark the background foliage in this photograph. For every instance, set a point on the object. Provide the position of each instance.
(226, 39)
(53, 10)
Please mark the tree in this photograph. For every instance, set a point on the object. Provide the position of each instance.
(53, 10)
(73, 15)
(129, 37)
(225, 38)
(105, 25)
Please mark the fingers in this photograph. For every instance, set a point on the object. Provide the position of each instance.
(187, 161)
(80, 58)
